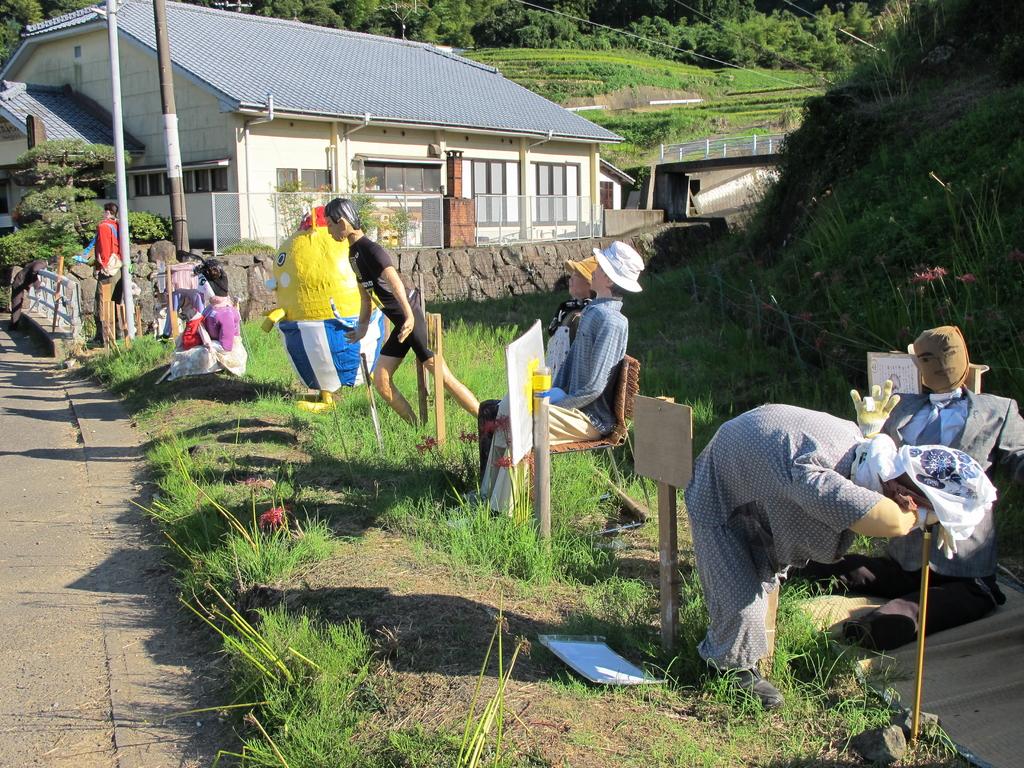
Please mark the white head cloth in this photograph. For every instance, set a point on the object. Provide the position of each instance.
(959, 491)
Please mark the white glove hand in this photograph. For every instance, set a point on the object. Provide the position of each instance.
(946, 542)
(872, 411)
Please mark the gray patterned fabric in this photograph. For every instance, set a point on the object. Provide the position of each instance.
(334, 72)
(770, 490)
(993, 433)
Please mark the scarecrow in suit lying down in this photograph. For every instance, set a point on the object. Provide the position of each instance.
(962, 586)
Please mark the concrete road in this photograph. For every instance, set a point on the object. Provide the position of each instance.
(95, 651)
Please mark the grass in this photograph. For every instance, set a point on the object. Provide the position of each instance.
(380, 557)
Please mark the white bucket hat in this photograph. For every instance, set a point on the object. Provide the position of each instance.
(622, 265)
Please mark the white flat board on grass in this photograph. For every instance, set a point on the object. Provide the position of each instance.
(592, 658)
(522, 357)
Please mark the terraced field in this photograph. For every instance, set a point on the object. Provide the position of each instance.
(624, 82)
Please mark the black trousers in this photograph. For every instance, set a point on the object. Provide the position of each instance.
(952, 600)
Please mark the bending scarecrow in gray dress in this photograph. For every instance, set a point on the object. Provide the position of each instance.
(772, 489)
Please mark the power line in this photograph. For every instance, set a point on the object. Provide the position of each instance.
(848, 34)
(663, 44)
(724, 28)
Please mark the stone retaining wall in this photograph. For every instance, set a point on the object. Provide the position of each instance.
(476, 274)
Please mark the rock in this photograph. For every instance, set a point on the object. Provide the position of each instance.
(162, 250)
(929, 725)
(938, 55)
(880, 746)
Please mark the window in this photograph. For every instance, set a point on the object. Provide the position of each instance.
(287, 178)
(206, 180)
(315, 180)
(78, 51)
(495, 177)
(5, 206)
(607, 194)
(151, 184)
(303, 179)
(409, 178)
(557, 186)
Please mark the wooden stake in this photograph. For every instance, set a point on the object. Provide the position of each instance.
(770, 618)
(107, 314)
(437, 344)
(122, 316)
(668, 557)
(541, 385)
(922, 616)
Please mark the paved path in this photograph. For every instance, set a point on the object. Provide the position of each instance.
(95, 651)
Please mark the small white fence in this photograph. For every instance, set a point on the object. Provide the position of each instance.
(729, 146)
(66, 293)
(529, 218)
(396, 221)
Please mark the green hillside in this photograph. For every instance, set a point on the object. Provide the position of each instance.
(734, 100)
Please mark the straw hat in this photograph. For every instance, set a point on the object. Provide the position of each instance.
(584, 268)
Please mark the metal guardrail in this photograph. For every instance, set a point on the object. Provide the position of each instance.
(536, 218)
(728, 146)
(68, 300)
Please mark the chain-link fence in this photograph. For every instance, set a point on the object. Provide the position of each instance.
(395, 221)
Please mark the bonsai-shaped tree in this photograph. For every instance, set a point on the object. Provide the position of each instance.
(59, 215)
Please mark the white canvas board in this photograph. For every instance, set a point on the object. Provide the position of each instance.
(593, 659)
(896, 366)
(522, 357)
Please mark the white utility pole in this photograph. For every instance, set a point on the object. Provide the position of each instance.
(117, 128)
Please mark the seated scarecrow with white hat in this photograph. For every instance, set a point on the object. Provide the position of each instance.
(582, 395)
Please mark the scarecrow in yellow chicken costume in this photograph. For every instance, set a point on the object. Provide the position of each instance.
(318, 303)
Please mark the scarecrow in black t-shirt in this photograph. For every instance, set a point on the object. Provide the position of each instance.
(379, 281)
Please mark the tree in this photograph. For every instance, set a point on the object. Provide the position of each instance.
(58, 215)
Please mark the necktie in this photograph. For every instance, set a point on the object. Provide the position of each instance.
(931, 433)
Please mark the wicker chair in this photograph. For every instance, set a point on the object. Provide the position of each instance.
(626, 390)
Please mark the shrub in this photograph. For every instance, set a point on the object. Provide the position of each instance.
(254, 247)
(146, 227)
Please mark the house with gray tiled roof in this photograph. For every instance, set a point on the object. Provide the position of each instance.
(267, 104)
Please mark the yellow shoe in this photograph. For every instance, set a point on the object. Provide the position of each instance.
(324, 404)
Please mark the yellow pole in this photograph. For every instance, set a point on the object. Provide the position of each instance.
(922, 615)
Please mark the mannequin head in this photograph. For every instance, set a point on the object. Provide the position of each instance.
(941, 356)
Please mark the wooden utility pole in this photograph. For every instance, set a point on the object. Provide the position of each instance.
(179, 223)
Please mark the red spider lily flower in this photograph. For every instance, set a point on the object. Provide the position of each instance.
(929, 275)
(806, 316)
(503, 422)
(967, 277)
(767, 307)
(488, 427)
(820, 342)
(968, 318)
(1016, 255)
(272, 519)
(429, 443)
(904, 332)
(504, 461)
(467, 437)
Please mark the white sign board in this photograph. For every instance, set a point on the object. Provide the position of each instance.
(522, 357)
(898, 367)
(592, 658)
